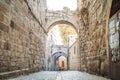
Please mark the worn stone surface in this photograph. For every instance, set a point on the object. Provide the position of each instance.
(21, 43)
(74, 57)
(93, 32)
(23, 27)
(63, 16)
(66, 75)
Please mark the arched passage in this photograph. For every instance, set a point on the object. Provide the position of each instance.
(58, 62)
(69, 42)
(61, 21)
(62, 63)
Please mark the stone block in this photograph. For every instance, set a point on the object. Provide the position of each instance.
(4, 27)
(102, 32)
(13, 68)
(8, 1)
(99, 11)
(4, 8)
(93, 66)
(7, 46)
(3, 69)
(13, 64)
(1, 17)
(104, 68)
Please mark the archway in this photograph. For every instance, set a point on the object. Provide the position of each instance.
(67, 23)
(59, 61)
(62, 63)
(51, 39)
(61, 21)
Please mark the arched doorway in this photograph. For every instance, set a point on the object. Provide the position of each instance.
(59, 61)
(62, 63)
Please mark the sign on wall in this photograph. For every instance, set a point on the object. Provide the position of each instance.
(114, 38)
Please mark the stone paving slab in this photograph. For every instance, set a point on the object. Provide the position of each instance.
(60, 75)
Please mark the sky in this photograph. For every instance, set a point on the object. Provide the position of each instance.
(59, 4)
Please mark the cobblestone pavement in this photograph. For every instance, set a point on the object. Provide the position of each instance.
(60, 75)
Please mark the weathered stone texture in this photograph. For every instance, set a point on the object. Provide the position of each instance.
(93, 36)
(74, 57)
(61, 16)
(23, 24)
(22, 40)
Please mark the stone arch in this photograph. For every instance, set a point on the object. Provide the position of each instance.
(55, 56)
(60, 54)
(62, 21)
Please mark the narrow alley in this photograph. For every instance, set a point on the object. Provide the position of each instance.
(59, 39)
(60, 75)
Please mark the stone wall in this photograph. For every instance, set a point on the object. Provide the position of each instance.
(93, 18)
(74, 57)
(22, 38)
(39, 9)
